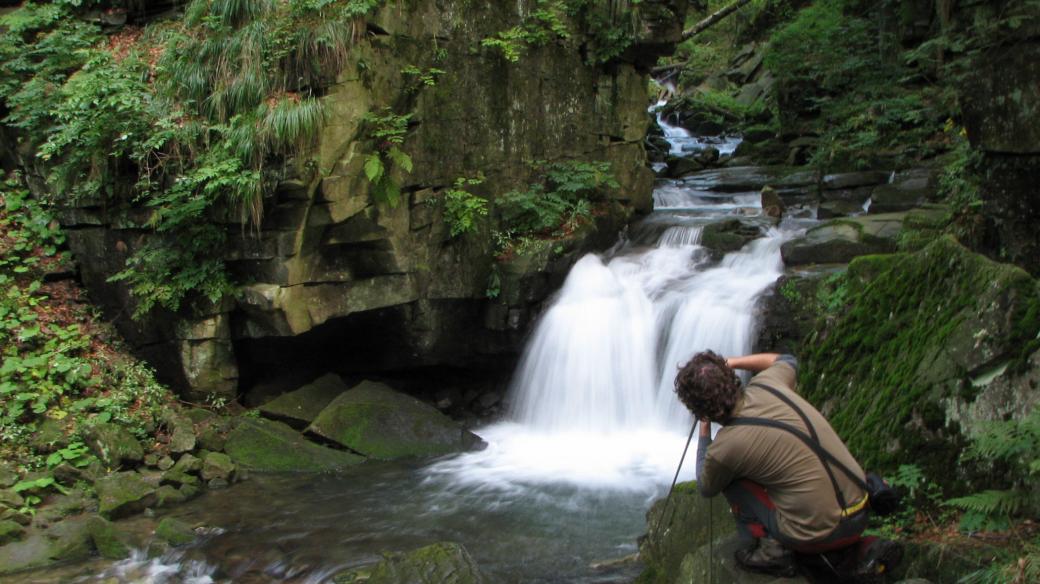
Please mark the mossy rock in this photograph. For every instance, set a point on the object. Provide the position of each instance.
(832, 209)
(168, 495)
(174, 531)
(677, 525)
(382, 423)
(269, 446)
(841, 240)
(305, 403)
(10, 531)
(110, 543)
(123, 493)
(909, 339)
(188, 463)
(182, 432)
(8, 475)
(729, 236)
(114, 445)
(217, 465)
(440, 563)
(66, 541)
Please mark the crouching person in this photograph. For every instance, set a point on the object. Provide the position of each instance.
(788, 495)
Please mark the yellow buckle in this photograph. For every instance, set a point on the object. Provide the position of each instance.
(853, 509)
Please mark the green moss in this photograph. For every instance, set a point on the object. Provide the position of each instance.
(678, 525)
(264, 445)
(905, 332)
(381, 423)
(174, 531)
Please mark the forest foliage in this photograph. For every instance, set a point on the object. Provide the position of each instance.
(201, 114)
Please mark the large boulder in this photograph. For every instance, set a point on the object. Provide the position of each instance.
(851, 180)
(382, 423)
(8, 474)
(182, 432)
(907, 190)
(110, 542)
(114, 445)
(66, 541)
(919, 349)
(677, 526)
(124, 493)
(305, 403)
(10, 531)
(269, 446)
(840, 240)
(440, 563)
(730, 235)
(174, 531)
(742, 179)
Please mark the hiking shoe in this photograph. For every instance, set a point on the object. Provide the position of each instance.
(769, 557)
(879, 558)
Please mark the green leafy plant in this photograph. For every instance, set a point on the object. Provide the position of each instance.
(462, 209)
(544, 24)
(551, 208)
(202, 121)
(838, 73)
(51, 370)
(423, 77)
(1015, 443)
(75, 453)
(921, 503)
(388, 130)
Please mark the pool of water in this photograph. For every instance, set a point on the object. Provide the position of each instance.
(286, 528)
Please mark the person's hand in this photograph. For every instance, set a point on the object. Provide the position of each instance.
(705, 428)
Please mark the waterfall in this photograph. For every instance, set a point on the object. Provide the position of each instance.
(592, 404)
(592, 399)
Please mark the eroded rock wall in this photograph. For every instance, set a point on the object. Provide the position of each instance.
(375, 286)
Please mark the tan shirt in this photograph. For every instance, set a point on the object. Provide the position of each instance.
(792, 474)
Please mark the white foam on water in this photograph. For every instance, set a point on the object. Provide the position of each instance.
(171, 568)
(592, 397)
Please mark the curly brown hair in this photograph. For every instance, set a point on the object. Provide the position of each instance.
(708, 387)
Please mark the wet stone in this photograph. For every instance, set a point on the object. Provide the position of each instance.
(108, 541)
(168, 495)
(8, 475)
(10, 531)
(268, 446)
(114, 445)
(379, 422)
(123, 493)
(217, 465)
(188, 463)
(174, 531)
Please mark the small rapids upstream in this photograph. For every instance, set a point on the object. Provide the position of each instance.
(592, 438)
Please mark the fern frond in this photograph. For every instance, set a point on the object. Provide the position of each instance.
(993, 502)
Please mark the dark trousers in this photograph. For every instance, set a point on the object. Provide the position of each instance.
(756, 517)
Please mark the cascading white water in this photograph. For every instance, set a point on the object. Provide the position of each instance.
(592, 398)
(683, 143)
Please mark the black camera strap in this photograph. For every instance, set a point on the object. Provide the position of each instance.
(811, 440)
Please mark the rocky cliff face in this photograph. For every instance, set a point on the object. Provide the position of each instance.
(333, 280)
(1001, 102)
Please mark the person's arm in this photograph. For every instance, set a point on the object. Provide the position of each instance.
(754, 363)
(712, 477)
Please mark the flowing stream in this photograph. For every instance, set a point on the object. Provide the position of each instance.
(593, 436)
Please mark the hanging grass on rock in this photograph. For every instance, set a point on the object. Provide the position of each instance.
(189, 118)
